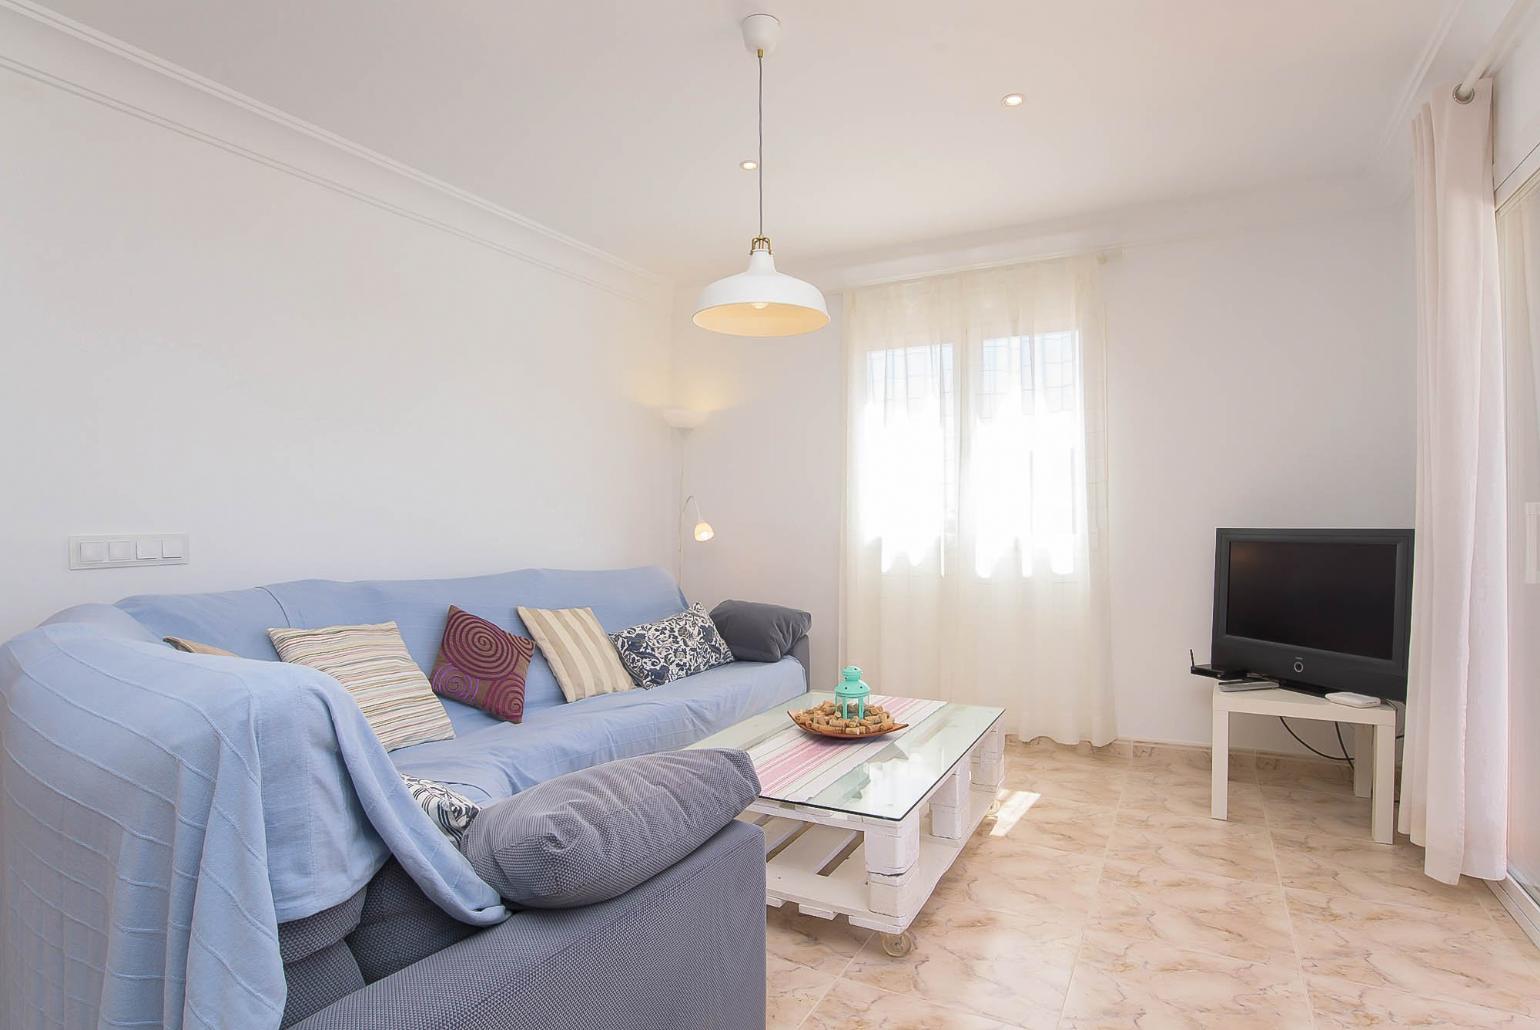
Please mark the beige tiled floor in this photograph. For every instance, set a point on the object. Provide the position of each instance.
(1102, 895)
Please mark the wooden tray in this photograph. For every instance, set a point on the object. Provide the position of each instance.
(837, 735)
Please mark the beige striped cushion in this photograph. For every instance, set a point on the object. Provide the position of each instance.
(372, 663)
(193, 647)
(581, 654)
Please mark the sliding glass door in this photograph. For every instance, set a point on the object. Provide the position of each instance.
(1519, 240)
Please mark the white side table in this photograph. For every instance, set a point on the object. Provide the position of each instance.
(1375, 733)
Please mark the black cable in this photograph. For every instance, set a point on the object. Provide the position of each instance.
(1307, 747)
(1343, 745)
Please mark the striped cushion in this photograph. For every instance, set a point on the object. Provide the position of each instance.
(372, 663)
(580, 652)
(193, 647)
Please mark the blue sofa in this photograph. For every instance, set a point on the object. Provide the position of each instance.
(196, 840)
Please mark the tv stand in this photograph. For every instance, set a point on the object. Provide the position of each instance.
(1374, 735)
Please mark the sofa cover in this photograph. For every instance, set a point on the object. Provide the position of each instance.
(164, 811)
(490, 759)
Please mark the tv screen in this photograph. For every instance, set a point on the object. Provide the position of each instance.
(1327, 595)
(1324, 609)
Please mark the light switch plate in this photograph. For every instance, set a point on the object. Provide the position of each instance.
(125, 550)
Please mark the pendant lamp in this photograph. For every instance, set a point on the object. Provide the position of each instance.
(761, 301)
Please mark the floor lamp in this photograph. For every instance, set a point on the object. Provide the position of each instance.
(683, 420)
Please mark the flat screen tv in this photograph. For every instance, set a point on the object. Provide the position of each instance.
(1318, 609)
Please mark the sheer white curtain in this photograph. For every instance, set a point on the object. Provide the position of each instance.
(975, 538)
(1455, 775)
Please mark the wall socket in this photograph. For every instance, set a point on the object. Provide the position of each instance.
(125, 550)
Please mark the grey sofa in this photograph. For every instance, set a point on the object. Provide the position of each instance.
(685, 949)
(262, 791)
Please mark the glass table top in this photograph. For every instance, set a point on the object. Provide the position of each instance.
(885, 782)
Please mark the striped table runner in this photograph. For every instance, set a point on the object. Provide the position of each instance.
(795, 766)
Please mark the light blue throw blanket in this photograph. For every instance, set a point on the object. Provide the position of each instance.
(143, 892)
(161, 813)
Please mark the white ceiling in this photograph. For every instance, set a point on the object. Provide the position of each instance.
(622, 123)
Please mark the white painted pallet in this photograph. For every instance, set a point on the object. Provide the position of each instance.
(876, 872)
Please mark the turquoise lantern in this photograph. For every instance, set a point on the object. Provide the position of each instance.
(852, 690)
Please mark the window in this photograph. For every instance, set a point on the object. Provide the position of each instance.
(1014, 494)
(910, 473)
(972, 562)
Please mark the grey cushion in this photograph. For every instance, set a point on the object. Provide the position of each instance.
(301, 938)
(592, 835)
(318, 966)
(759, 632)
(318, 980)
(399, 925)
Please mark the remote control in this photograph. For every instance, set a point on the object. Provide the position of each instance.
(1352, 700)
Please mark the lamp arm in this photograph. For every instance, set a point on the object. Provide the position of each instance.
(679, 533)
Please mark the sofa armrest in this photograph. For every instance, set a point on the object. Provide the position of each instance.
(799, 651)
(684, 949)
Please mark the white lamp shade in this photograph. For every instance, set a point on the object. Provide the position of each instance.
(761, 302)
(684, 418)
(703, 531)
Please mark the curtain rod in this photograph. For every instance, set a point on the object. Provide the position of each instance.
(1509, 28)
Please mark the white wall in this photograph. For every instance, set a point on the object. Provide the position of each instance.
(768, 470)
(311, 364)
(1258, 375)
(1255, 379)
(1516, 110)
(319, 364)
(1516, 131)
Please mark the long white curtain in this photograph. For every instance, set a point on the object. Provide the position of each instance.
(975, 538)
(1454, 790)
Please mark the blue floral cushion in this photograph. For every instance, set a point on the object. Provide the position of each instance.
(451, 811)
(671, 648)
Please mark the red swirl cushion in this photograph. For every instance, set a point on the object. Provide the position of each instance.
(483, 665)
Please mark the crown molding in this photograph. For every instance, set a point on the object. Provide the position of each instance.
(1106, 233)
(1415, 88)
(1462, 33)
(49, 48)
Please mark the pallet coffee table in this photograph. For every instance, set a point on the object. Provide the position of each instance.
(844, 820)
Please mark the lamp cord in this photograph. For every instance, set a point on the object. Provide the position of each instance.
(760, 168)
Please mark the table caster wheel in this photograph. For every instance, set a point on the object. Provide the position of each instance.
(897, 945)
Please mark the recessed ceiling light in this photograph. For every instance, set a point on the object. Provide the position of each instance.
(748, 166)
(1012, 99)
